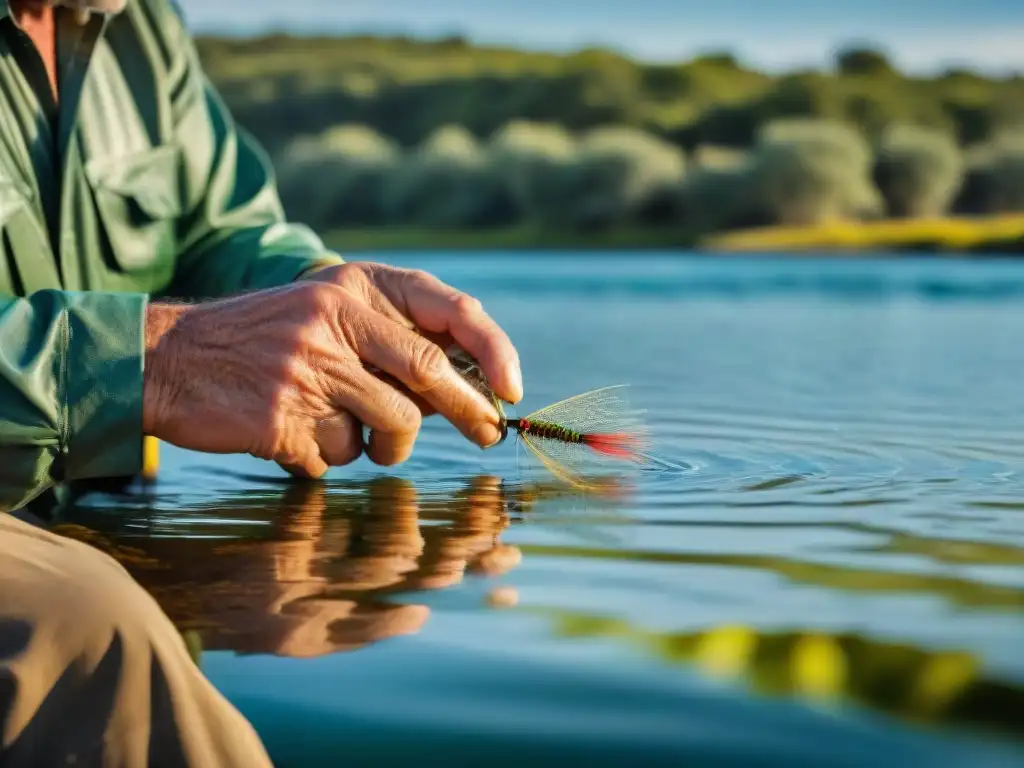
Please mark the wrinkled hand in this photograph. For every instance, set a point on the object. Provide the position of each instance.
(283, 374)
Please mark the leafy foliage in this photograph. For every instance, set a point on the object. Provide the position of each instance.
(533, 161)
(338, 177)
(863, 61)
(918, 171)
(448, 181)
(616, 172)
(807, 171)
(372, 131)
(995, 179)
(281, 87)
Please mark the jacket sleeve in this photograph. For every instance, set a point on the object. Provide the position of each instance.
(234, 236)
(70, 390)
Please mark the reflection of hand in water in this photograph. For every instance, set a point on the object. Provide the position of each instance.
(320, 582)
(392, 552)
(280, 596)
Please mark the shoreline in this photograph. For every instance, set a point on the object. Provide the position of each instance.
(989, 236)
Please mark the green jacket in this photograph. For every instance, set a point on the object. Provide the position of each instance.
(139, 184)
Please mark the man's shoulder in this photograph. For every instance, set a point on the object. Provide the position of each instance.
(163, 24)
(166, 17)
(166, 8)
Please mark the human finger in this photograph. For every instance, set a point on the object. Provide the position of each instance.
(437, 307)
(421, 366)
(426, 409)
(370, 400)
(304, 462)
(389, 448)
(340, 439)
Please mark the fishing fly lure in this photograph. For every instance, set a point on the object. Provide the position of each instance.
(583, 432)
(572, 436)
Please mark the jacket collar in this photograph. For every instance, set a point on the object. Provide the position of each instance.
(5, 10)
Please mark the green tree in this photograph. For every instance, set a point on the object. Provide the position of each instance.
(995, 181)
(533, 161)
(338, 177)
(974, 122)
(810, 171)
(861, 61)
(715, 198)
(805, 95)
(918, 171)
(281, 87)
(616, 170)
(448, 182)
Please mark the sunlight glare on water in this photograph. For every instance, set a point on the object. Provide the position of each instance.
(832, 573)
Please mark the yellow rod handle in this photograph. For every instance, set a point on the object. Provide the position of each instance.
(150, 457)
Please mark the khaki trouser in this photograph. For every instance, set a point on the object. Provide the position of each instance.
(92, 673)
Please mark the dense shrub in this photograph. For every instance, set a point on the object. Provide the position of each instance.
(448, 182)
(810, 171)
(717, 198)
(799, 171)
(918, 171)
(713, 194)
(337, 177)
(712, 156)
(974, 123)
(615, 172)
(995, 178)
(532, 160)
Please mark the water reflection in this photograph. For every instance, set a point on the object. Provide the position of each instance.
(312, 575)
(960, 591)
(305, 570)
(314, 569)
(926, 687)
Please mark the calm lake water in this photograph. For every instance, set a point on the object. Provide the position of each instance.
(832, 575)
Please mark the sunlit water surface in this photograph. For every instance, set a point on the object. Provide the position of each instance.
(832, 574)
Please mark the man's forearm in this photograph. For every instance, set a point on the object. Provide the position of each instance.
(161, 367)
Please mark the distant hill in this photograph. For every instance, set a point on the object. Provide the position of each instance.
(403, 137)
(281, 86)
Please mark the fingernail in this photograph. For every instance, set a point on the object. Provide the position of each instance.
(515, 380)
(486, 435)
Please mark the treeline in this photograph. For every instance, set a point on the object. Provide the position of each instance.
(799, 171)
(368, 131)
(406, 89)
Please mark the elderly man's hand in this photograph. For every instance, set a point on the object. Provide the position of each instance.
(282, 374)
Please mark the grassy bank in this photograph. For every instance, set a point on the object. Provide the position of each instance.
(993, 234)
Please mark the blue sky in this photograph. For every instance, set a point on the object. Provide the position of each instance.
(919, 34)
